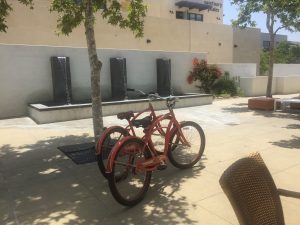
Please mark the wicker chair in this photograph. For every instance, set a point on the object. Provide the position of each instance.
(252, 192)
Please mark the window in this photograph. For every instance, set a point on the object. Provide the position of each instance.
(179, 15)
(192, 16)
(199, 17)
(266, 44)
(189, 16)
(195, 17)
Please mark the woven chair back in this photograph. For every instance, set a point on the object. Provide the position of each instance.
(252, 192)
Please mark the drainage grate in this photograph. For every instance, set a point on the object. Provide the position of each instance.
(80, 153)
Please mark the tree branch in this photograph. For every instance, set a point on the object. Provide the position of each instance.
(278, 29)
(268, 23)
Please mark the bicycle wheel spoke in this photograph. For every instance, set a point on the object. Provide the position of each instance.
(128, 184)
(185, 155)
(111, 138)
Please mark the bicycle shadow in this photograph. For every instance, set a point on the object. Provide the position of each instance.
(40, 185)
(163, 204)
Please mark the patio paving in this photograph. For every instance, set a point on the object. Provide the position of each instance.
(40, 185)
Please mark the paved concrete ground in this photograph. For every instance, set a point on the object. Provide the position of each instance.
(39, 185)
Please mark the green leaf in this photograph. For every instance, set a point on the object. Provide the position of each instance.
(6, 8)
(71, 14)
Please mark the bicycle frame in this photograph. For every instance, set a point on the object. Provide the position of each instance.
(129, 127)
(155, 160)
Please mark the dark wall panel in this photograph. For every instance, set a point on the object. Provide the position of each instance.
(61, 79)
(164, 77)
(118, 78)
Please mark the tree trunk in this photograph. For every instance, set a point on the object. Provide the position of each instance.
(95, 66)
(270, 25)
(271, 66)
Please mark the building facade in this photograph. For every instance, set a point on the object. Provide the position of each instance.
(265, 40)
(170, 25)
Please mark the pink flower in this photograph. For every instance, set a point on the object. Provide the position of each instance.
(190, 78)
(195, 61)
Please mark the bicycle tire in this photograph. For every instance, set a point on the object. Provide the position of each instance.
(107, 146)
(173, 148)
(118, 190)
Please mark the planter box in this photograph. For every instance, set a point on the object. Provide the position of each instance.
(262, 103)
(42, 113)
(295, 105)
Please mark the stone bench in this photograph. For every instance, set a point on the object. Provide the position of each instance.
(261, 103)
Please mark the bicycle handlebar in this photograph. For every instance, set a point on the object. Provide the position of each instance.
(170, 100)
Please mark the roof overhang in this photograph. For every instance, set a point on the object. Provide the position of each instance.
(193, 5)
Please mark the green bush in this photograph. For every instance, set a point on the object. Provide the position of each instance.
(226, 86)
(205, 74)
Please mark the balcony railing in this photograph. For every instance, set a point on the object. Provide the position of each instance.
(193, 4)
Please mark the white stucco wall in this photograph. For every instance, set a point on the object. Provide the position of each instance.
(239, 69)
(25, 73)
(257, 86)
(283, 70)
(288, 85)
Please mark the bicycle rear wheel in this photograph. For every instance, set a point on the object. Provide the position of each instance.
(112, 136)
(184, 156)
(131, 187)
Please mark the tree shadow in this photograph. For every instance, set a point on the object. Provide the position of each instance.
(243, 108)
(293, 126)
(293, 143)
(236, 109)
(44, 187)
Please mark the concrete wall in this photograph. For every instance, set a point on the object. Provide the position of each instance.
(288, 85)
(239, 69)
(246, 46)
(214, 39)
(286, 70)
(37, 27)
(257, 86)
(25, 73)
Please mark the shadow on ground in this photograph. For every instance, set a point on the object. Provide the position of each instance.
(293, 126)
(293, 143)
(42, 186)
(243, 108)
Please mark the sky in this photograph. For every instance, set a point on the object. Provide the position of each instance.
(231, 12)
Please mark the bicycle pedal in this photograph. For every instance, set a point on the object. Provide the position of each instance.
(162, 167)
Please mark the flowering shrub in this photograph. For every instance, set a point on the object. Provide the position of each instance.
(205, 74)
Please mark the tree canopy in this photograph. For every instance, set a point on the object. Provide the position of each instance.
(72, 14)
(284, 53)
(6, 8)
(286, 12)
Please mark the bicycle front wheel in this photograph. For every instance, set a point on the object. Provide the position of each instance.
(128, 184)
(181, 155)
(112, 136)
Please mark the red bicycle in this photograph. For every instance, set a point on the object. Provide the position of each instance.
(114, 134)
(133, 159)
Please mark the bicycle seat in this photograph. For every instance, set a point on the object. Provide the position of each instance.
(145, 122)
(125, 115)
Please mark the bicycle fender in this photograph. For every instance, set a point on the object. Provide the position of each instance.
(114, 151)
(102, 138)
